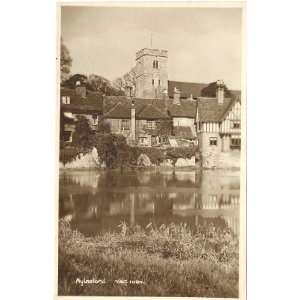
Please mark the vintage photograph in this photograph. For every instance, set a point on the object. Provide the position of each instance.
(151, 135)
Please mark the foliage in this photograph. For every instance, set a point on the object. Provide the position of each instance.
(211, 89)
(94, 83)
(68, 154)
(112, 149)
(171, 260)
(83, 136)
(156, 155)
(127, 80)
(180, 152)
(102, 85)
(65, 62)
(104, 126)
(71, 81)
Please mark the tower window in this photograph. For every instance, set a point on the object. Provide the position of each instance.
(213, 141)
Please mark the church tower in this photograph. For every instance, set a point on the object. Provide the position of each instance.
(151, 73)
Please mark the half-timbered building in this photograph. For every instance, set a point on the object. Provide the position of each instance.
(218, 123)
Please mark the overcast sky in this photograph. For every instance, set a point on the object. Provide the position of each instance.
(204, 44)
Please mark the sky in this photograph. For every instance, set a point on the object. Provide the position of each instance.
(204, 44)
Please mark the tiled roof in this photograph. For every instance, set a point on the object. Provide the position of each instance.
(187, 108)
(183, 132)
(151, 112)
(145, 109)
(209, 110)
(186, 88)
(148, 108)
(91, 103)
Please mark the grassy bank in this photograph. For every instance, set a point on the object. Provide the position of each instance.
(167, 261)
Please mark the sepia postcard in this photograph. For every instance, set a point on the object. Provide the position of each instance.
(151, 160)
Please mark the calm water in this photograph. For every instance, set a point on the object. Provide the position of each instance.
(99, 201)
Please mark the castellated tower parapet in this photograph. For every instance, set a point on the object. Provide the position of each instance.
(151, 73)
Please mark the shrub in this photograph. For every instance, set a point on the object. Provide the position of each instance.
(83, 136)
(68, 154)
(172, 260)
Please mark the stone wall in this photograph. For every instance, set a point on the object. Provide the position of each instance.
(83, 161)
(213, 157)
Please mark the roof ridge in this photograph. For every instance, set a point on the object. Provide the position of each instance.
(188, 82)
(113, 108)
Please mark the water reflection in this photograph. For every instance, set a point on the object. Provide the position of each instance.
(99, 201)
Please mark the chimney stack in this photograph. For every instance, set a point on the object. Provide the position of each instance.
(166, 100)
(128, 91)
(132, 119)
(176, 97)
(220, 91)
(80, 90)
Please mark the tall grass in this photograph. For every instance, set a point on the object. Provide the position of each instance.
(169, 261)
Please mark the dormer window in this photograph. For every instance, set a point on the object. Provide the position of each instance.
(66, 99)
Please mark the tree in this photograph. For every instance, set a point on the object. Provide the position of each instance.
(127, 80)
(72, 80)
(84, 136)
(211, 90)
(65, 62)
(104, 126)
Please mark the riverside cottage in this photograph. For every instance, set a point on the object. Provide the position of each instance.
(79, 102)
(218, 123)
(152, 122)
(136, 119)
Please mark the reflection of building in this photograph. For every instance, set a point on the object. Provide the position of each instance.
(219, 190)
(161, 200)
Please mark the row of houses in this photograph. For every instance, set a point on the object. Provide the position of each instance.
(213, 122)
(164, 113)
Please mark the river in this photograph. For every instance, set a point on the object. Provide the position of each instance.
(98, 201)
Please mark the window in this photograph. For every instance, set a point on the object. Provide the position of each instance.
(66, 99)
(152, 81)
(159, 82)
(236, 125)
(235, 143)
(95, 119)
(125, 125)
(150, 124)
(155, 64)
(213, 141)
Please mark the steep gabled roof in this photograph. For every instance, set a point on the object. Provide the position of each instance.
(186, 88)
(209, 110)
(91, 103)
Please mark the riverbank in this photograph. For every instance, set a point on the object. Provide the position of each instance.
(166, 261)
